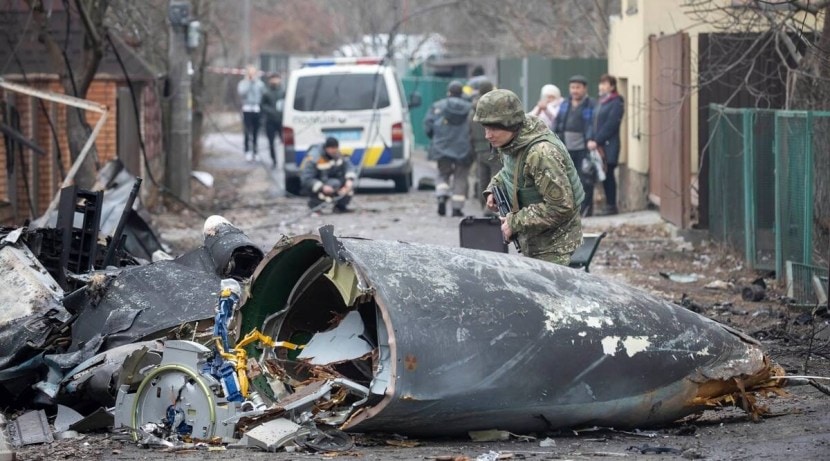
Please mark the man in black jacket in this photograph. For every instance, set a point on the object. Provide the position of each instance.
(447, 125)
(328, 177)
(574, 127)
(271, 106)
(606, 136)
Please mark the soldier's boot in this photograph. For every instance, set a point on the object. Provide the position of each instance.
(442, 206)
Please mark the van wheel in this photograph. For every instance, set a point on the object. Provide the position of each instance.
(292, 186)
(403, 183)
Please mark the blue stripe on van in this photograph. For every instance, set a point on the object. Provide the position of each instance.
(356, 156)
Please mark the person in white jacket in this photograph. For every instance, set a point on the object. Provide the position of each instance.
(548, 105)
(250, 91)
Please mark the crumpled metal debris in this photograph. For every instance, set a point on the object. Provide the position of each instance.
(30, 428)
(72, 347)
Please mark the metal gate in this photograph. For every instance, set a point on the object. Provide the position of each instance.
(670, 127)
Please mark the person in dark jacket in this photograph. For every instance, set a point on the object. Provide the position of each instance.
(328, 177)
(447, 125)
(574, 126)
(272, 107)
(606, 137)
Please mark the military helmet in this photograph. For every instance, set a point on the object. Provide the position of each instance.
(501, 108)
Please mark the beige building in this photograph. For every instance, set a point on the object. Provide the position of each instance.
(628, 60)
(654, 51)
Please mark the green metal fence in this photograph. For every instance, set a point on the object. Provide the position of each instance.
(761, 175)
(431, 89)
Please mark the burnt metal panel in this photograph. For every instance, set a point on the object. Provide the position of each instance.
(480, 340)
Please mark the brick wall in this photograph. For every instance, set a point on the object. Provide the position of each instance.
(43, 174)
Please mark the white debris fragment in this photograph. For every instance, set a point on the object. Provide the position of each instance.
(547, 443)
(717, 285)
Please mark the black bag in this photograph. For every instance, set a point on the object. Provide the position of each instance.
(482, 234)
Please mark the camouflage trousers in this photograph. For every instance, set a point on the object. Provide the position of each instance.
(562, 260)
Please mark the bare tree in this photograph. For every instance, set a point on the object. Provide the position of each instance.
(554, 28)
(793, 37)
(76, 80)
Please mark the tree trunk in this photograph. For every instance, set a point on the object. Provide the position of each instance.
(76, 82)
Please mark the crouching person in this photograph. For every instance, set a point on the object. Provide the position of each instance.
(328, 177)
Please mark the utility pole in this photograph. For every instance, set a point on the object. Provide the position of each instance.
(178, 166)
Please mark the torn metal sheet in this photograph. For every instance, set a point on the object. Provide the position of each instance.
(275, 434)
(31, 305)
(30, 429)
(116, 182)
(98, 420)
(65, 418)
(96, 379)
(146, 302)
(344, 342)
(479, 340)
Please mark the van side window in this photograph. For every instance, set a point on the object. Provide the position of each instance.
(340, 92)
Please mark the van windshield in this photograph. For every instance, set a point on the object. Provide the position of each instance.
(340, 92)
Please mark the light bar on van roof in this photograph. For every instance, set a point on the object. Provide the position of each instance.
(322, 62)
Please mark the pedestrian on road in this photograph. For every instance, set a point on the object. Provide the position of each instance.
(250, 91)
(473, 87)
(606, 137)
(328, 177)
(488, 162)
(272, 107)
(574, 126)
(538, 177)
(548, 106)
(447, 125)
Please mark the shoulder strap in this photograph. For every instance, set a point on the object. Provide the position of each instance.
(520, 166)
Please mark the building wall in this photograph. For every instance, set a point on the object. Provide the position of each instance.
(628, 55)
(628, 59)
(42, 173)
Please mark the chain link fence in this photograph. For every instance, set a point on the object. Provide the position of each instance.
(762, 182)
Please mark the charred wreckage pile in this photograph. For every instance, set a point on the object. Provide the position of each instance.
(225, 345)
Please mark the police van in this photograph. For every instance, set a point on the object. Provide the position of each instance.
(359, 101)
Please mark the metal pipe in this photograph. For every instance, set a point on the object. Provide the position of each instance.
(115, 242)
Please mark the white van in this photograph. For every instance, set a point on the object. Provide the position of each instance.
(359, 101)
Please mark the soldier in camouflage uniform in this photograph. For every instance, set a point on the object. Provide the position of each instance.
(538, 176)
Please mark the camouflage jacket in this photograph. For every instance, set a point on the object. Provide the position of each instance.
(547, 220)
